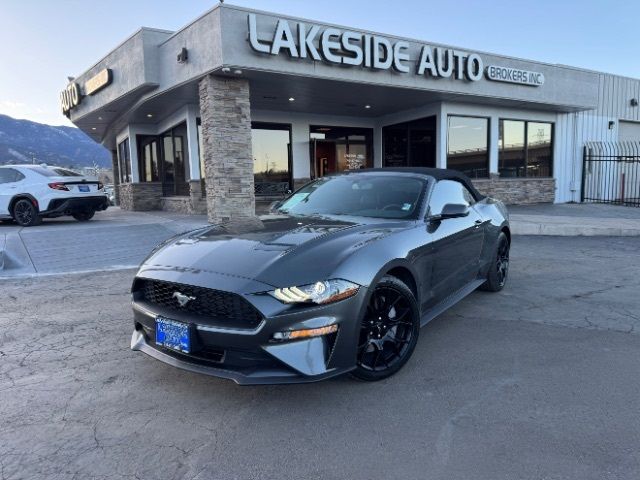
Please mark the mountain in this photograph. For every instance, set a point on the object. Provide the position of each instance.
(22, 140)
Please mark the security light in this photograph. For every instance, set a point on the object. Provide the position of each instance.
(367, 106)
(634, 102)
(291, 99)
(149, 115)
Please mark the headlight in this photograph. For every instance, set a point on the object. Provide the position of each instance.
(319, 293)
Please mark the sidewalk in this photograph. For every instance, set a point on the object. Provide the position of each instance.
(114, 239)
(587, 219)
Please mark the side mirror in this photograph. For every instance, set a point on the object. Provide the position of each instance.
(451, 210)
(275, 206)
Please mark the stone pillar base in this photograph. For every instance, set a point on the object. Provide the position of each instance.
(141, 196)
(226, 138)
(518, 191)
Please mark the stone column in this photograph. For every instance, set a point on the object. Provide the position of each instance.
(228, 161)
(116, 176)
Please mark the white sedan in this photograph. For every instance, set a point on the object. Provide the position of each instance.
(29, 193)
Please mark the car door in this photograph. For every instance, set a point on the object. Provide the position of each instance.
(456, 242)
(10, 180)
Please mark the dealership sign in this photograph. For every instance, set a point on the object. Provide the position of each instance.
(514, 75)
(345, 47)
(72, 96)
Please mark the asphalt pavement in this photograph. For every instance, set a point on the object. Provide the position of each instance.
(539, 381)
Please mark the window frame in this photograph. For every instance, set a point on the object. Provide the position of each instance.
(18, 175)
(526, 144)
(142, 141)
(482, 117)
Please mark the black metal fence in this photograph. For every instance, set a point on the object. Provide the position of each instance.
(611, 173)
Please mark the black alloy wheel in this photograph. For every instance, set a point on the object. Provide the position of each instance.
(499, 270)
(389, 330)
(84, 216)
(25, 213)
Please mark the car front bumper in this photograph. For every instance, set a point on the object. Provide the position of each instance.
(252, 356)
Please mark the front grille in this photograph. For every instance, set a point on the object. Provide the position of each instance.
(223, 308)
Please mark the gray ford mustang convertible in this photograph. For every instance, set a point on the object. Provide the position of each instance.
(339, 278)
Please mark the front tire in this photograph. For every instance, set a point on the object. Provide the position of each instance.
(499, 269)
(25, 213)
(83, 216)
(389, 330)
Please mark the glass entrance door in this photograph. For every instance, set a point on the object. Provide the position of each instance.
(337, 149)
(175, 165)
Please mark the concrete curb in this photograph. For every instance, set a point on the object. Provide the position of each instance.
(15, 258)
(3, 242)
(573, 226)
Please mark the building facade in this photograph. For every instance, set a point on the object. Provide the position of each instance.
(240, 106)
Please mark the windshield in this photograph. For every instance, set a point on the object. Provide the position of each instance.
(380, 196)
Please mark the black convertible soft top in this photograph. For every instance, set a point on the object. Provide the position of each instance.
(437, 173)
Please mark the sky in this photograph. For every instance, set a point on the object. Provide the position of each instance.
(44, 41)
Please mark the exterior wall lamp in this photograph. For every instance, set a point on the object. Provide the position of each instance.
(634, 102)
(183, 56)
(611, 124)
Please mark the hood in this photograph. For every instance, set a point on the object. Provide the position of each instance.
(280, 251)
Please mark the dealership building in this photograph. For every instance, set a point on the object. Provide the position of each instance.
(240, 106)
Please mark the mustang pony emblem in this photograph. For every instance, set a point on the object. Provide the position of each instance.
(182, 298)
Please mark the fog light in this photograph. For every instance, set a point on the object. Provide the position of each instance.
(312, 332)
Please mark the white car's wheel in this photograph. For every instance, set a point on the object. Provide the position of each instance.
(25, 213)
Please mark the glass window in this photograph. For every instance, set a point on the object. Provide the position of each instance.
(511, 149)
(379, 196)
(525, 149)
(448, 191)
(10, 175)
(539, 151)
(53, 172)
(271, 147)
(124, 161)
(175, 170)
(468, 145)
(410, 144)
(168, 158)
(149, 159)
(338, 149)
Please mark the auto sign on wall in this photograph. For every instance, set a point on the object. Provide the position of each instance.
(514, 75)
(302, 41)
(72, 96)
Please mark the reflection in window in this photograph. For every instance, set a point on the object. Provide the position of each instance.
(149, 159)
(525, 149)
(511, 149)
(468, 145)
(410, 144)
(271, 146)
(539, 152)
(124, 161)
(448, 191)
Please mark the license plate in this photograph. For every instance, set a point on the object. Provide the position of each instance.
(83, 188)
(173, 335)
